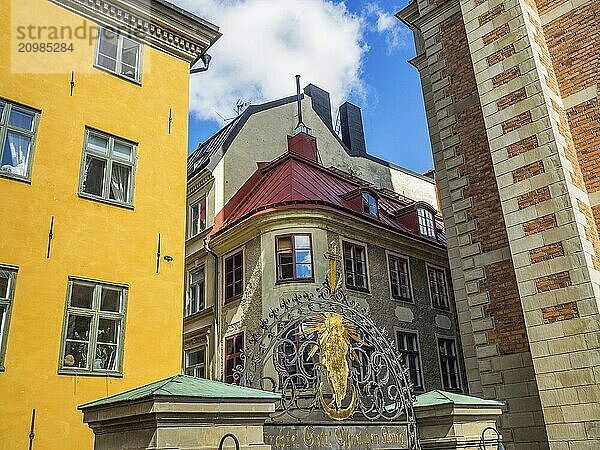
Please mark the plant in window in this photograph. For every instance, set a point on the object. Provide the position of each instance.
(92, 336)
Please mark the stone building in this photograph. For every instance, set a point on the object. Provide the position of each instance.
(510, 90)
(265, 200)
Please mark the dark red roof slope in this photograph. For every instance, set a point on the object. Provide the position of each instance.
(292, 181)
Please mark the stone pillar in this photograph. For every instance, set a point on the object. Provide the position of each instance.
(514, 137)
(492, 325)
(452, 421)
(546, 210)
(180, 413)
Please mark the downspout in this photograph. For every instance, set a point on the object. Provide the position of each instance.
(216, 338)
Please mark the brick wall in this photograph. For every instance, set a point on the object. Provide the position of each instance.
(473, 146)
(509, 330)
(557, 313)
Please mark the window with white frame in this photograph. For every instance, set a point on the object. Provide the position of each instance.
(369, 204)
(108, 168)
(426, 222)
(399, 278)
(197, 219)
(449, 364)
(195, 362)
(438, 289)
(119, 54)
(195, 300)
(18, 128)
(93, 327)
(8, 277)
(408, 346)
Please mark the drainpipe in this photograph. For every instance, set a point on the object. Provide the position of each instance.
(216, 338)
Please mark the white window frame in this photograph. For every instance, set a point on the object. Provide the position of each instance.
(458, 375)
(109, 159)
(416, 334)
(11, 275)
(95, 314)
(195, 367)
(426, 222)
(188, 307)
(411, 299)
(201, 226)
(119, 61)
(366, 198)
(5, 127)
(433, 304)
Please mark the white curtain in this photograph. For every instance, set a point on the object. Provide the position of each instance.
(119, 183)
(19, 152)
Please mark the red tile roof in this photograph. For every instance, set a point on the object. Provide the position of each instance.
(292, 181)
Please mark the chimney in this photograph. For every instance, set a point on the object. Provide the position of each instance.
(304, 145)
(320, 102)
(351, 124)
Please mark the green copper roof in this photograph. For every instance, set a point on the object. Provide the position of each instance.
(437, 397)
(187, 386)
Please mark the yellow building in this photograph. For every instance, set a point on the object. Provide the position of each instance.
(93, 139)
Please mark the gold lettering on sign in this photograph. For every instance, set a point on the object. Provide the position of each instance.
(346, 437)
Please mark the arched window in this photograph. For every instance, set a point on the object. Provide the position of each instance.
(426, 222)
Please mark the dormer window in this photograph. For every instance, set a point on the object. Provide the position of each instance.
(426, 222)
(369, 204)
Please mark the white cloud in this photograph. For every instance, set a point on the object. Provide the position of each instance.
(266, 42)
(395, 35)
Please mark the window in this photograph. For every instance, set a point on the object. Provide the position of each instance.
(355, 265)
(233, 277)
(399, 278)
(93, 328)
(108, 168)
(294, 257)
(18, 127)
(449, 364)
(408, 345)
(195, 299)
(195, 362)
(233, 352)
(369, 204)
(295, 355)
(426, 222)
(119, 54)
(437, 287)
(8, 276)
(197, 219)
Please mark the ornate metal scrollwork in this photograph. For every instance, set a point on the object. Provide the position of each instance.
(324, 353)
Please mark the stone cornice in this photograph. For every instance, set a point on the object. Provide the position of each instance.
(156, 23)
(412, 17)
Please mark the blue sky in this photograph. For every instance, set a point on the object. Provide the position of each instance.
(380, 79)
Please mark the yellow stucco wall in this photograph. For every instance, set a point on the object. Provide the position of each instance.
(91, 239)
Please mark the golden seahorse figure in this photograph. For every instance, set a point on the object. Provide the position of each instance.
(334, 334)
